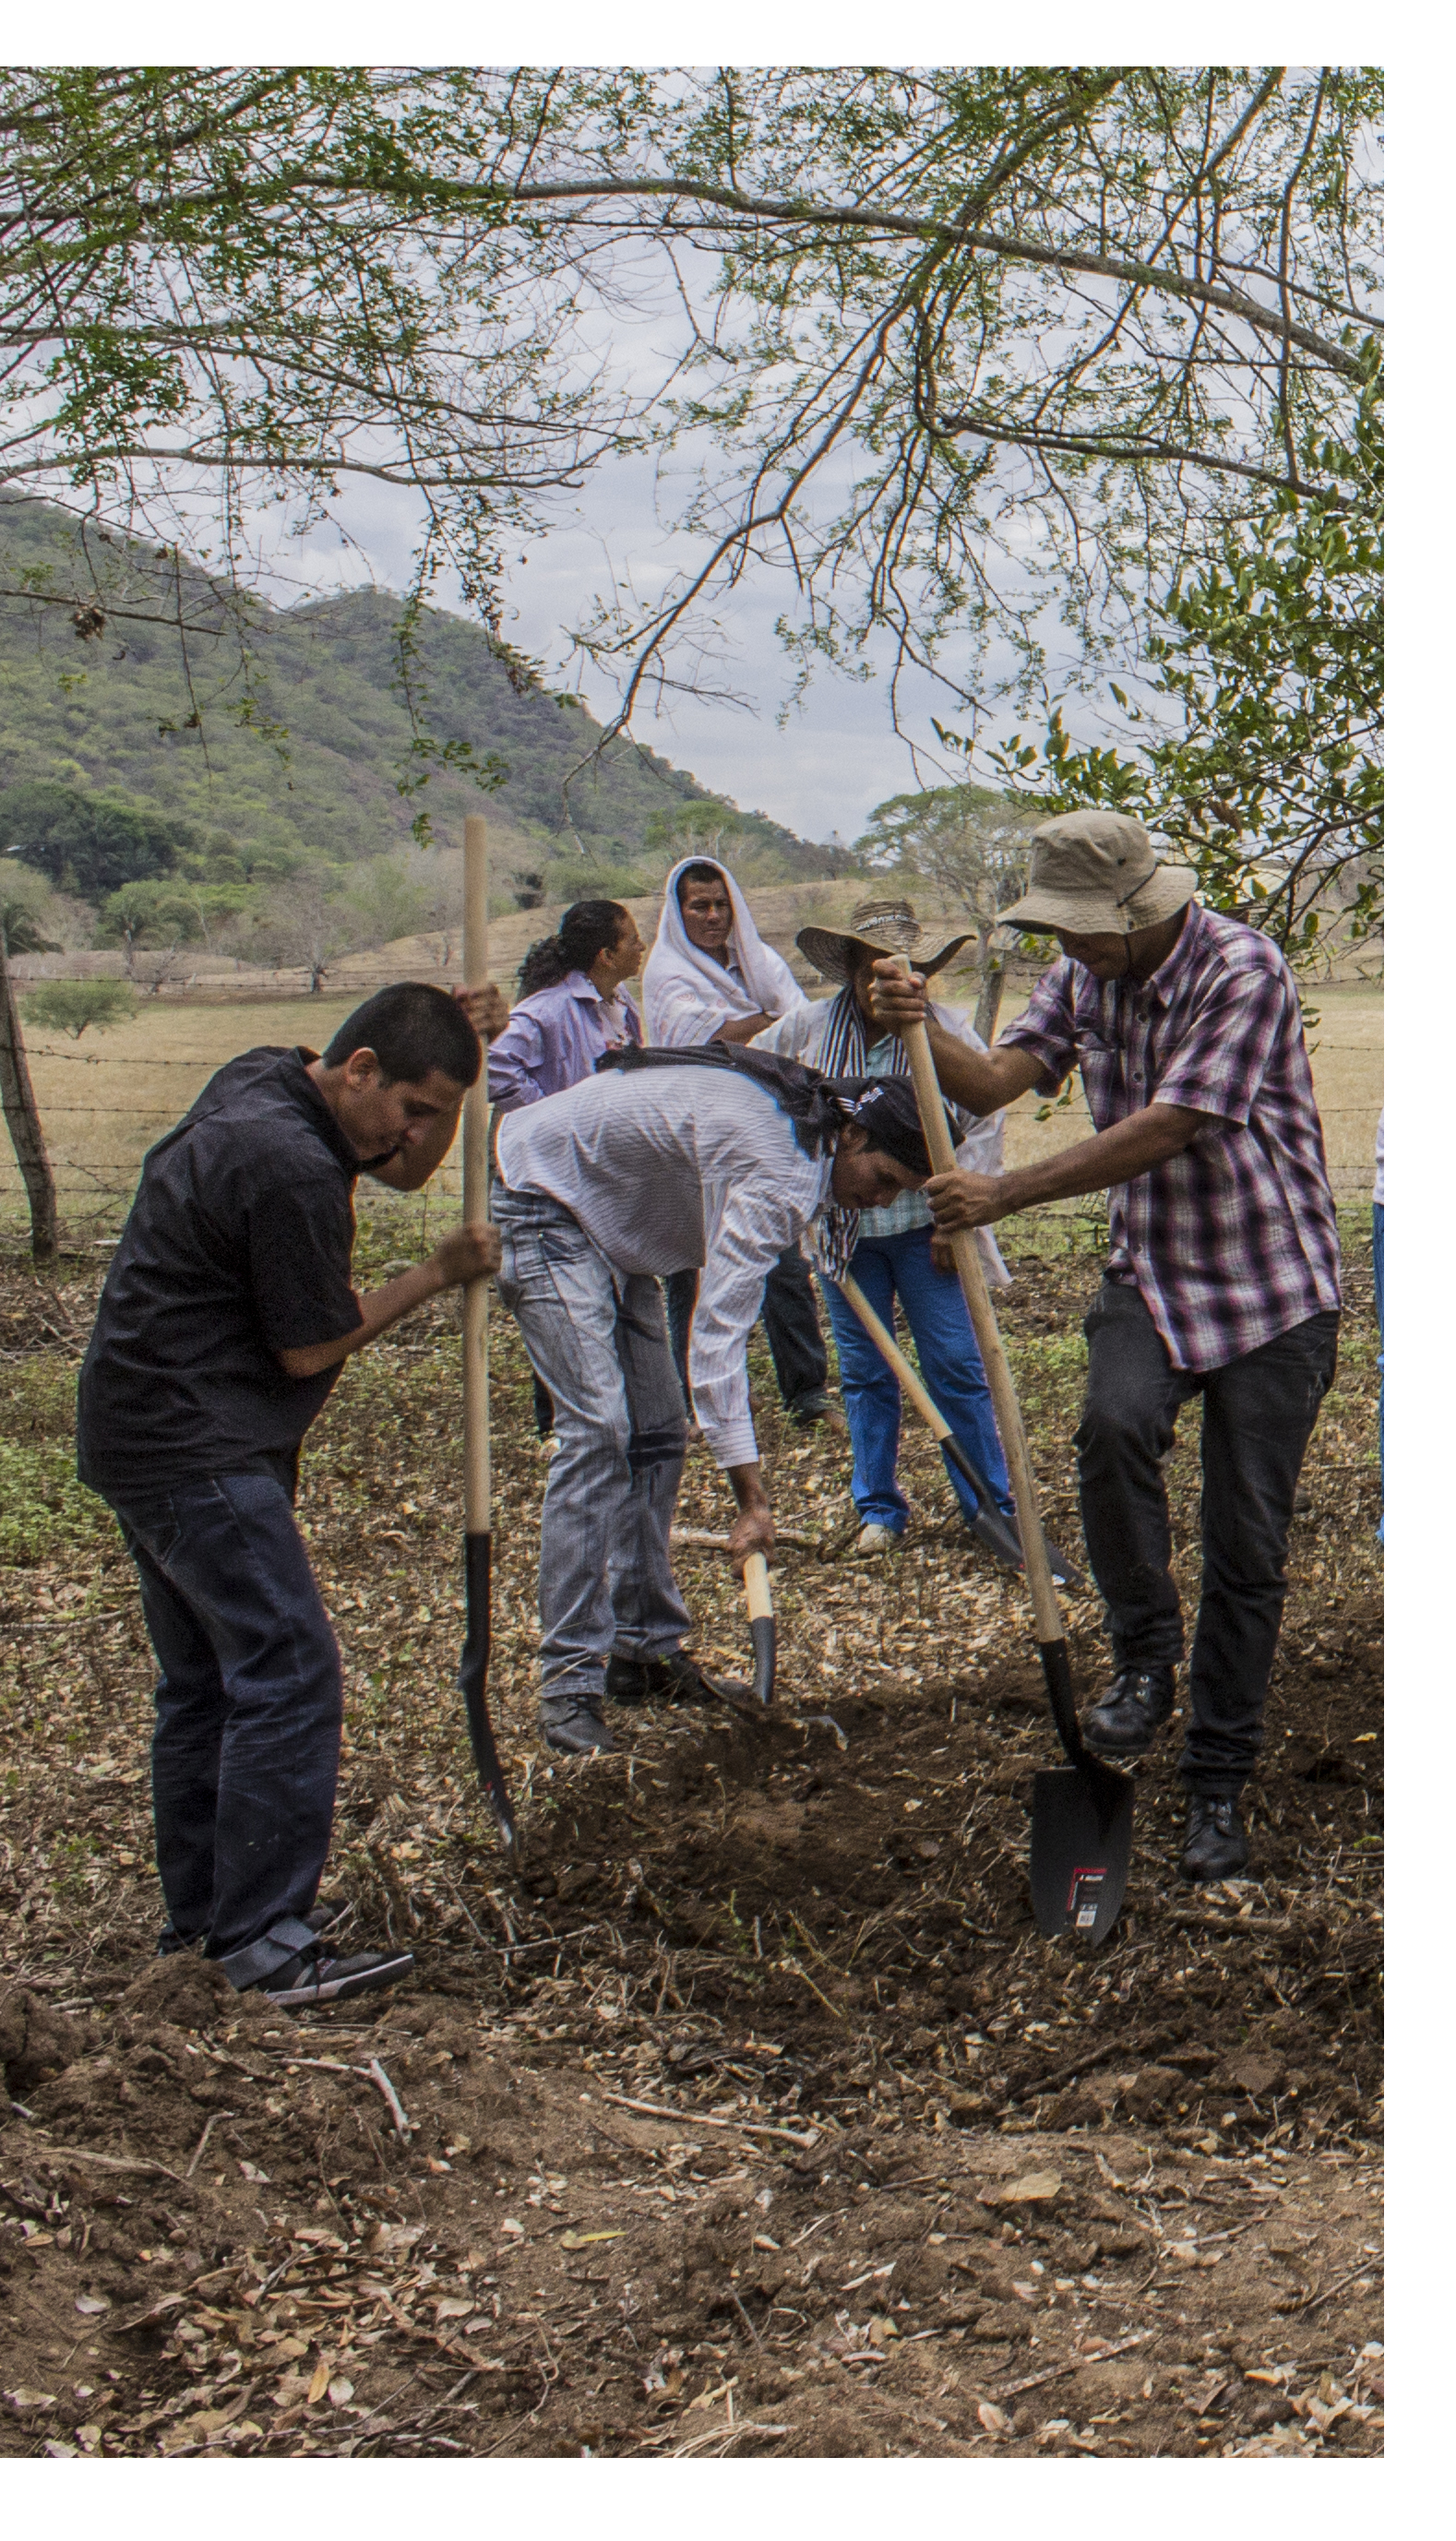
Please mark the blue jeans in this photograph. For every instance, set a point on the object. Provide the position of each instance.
(598, 1344)
(885, 1267)
(245, 1756)
(1377, 1247)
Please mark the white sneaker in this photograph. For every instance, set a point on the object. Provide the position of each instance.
(877, 1539)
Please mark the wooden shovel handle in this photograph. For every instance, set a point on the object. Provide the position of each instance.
(476, 1200)
(1045, 1608)
(757, 1589)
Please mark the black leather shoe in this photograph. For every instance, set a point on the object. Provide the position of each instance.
(1131, 1711)
(1216, 1846)
(675, 1679)
(572, 1723)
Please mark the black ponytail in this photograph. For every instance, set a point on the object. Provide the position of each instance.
(589, 927)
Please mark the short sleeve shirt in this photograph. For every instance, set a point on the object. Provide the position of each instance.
(1233, 1241)
(238, 1246)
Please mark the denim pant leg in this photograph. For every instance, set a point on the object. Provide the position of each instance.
(950, 1361)
(1257, 1416)
(791, 1326)
(245, 1756)
(649, 1616)
(186, 1743)
(871, 1395)
(680, 1290)
(1133, 1396)
(604, 1357)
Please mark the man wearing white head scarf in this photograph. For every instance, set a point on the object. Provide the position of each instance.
(709, 982)
(710, 976)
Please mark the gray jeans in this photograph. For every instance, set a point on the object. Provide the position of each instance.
(598, 1341)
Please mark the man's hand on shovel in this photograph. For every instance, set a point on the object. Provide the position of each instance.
(751, 1530)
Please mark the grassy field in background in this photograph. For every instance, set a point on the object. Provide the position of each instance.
(104, 1100)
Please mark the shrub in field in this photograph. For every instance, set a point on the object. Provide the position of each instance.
(69, 1005)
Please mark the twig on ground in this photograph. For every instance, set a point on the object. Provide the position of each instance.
(381, 2080)
(202, 2138)
(1074, 2364)
(690, 2118)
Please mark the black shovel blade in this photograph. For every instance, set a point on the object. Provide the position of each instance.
(764, 1634)
(474, 1662)
(1081, 1848)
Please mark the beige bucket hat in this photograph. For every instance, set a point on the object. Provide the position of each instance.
(880, 926)
(1095, 873)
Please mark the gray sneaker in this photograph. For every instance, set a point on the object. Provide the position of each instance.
(573, 1725)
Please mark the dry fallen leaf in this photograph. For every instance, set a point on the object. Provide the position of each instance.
(25, 2399)
(995, 2420)
(339, 2391)
(91, 2304)
(579, 2241)
(1036, 2188)
(318, 2384)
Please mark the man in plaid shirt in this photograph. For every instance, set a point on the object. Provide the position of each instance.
(1222, 1280)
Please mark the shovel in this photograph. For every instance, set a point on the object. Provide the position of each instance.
(1081, 1838)
(994, 1530)
(762, 1628)
(474, 1660)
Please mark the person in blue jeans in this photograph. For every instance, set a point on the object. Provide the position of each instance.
(893, 1253)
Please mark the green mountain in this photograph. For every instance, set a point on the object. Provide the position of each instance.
(122, 670)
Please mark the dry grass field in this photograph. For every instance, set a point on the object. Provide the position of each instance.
(106, 1098)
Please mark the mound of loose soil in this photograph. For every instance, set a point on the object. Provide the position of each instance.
(756, 2117)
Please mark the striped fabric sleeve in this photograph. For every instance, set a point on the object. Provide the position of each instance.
(745, 1228)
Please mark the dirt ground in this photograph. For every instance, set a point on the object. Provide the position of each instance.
(756, 2118)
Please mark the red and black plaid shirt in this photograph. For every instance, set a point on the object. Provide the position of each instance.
(1233, 1241)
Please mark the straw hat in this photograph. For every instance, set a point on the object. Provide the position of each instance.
(878, 926)
(1095, 873)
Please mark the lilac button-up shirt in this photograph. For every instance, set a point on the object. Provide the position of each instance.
(556, 1038)
(1233, 1241)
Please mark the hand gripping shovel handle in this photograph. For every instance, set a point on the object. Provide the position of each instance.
(762, 1628)
(475, 1661)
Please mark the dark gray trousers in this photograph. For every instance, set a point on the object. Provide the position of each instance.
(1257, 1414)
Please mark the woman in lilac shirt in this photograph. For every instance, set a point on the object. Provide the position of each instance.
(571, 1008)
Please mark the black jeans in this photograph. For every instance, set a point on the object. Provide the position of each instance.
(1257, 1416)
(245, 1756)
(790, 1323)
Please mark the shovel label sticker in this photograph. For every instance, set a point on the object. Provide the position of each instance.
(1083, 1897)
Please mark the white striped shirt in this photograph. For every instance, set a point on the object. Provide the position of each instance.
(670, 1169)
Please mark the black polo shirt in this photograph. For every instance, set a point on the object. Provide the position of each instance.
(238, 1246)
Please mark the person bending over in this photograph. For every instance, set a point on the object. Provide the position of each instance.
(1223, 1278)
(710, 976)
(666, 1161)
(226, 1315)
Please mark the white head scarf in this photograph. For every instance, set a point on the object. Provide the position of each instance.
(687, 995)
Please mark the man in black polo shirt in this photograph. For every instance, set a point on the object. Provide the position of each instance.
(226, 1315)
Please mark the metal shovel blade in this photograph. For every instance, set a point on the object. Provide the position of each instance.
(1081, 1848)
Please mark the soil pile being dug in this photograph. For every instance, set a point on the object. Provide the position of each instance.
(757, 2118)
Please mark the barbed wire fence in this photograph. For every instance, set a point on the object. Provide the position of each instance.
(94, 1193)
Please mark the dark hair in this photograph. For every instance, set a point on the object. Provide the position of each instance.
(700, 872)
(589, 927)
(410, 1028)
